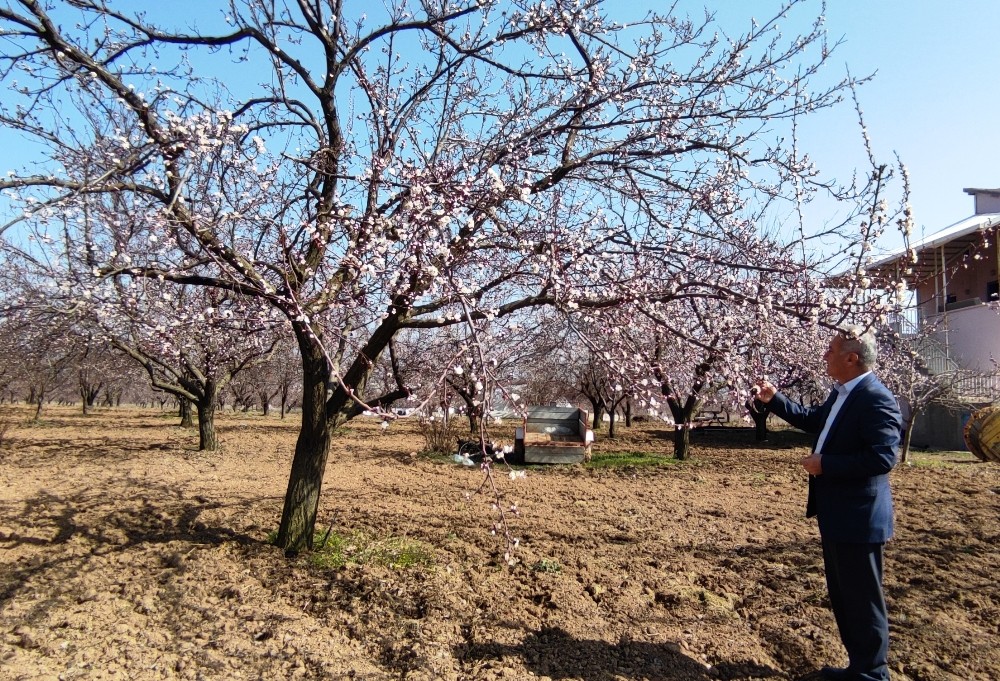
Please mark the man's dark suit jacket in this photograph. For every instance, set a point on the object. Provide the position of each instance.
(851, 498)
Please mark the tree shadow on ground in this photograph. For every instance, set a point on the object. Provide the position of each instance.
(744, 438)
(739, 437)
(554, 653)
(107, 450)
(90, 524)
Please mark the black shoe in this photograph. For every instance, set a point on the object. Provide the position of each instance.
(835, 674)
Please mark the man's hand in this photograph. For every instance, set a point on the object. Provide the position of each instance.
(765, 391)
(813, 464)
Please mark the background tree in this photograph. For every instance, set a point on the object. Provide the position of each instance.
(46, 350)
(603, 386)
(592, 382)
(904, 367)
(125, 383)
(671, 355)
(10, 365)
(191, 341)
(273, 379)
(96, 366)
(549, 353)
(789, 353)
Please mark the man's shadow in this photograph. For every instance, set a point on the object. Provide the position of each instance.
(554, 653)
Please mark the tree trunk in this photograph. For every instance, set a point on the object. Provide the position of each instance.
(88, 390)
(595, 409)
(760, 428)
(89, 396)
(207, 441)
(683, 421)
(322, 412)
(187, 420)
(759, 413)
(598, 416)
(682, 440)
(904, 445)
(298, 517)
(613, 414)
(475, 412)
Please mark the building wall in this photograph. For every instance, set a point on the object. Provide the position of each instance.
(987, 203)
(972, 336)
(940, 428)
(965, 284)
(970, 331)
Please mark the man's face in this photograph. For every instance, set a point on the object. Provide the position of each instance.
(841, 364)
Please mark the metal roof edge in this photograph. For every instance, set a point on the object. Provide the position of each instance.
(961, 228)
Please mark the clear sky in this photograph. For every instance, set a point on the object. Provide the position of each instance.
(934, 100)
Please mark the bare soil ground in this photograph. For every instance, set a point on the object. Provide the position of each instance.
(127, 554)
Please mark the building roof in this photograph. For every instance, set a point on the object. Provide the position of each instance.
(955, 241)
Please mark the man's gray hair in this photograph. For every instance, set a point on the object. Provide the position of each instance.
(856, 339)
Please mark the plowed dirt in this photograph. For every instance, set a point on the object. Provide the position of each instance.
(127, 554)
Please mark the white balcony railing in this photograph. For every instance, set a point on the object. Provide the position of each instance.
(961, 342)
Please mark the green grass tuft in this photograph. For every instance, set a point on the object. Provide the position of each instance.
(940, 459)
(391, 552)
(356, 548)
(546, 565)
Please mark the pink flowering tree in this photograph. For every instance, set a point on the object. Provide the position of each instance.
(96, 368)
(124, 382)
(603, 388)
(548, 353)
(685, 361)
(485, 363)
(190, 341)
(677, 355)
(417, 166)
(273, 379)
(9, 368)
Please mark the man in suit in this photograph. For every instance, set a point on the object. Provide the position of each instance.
(858, 431)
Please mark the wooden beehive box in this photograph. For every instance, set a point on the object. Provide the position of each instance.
(554, 435)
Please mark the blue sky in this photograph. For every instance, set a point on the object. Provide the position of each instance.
(933, 101)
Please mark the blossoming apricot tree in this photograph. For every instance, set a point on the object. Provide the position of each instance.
(367, 170)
